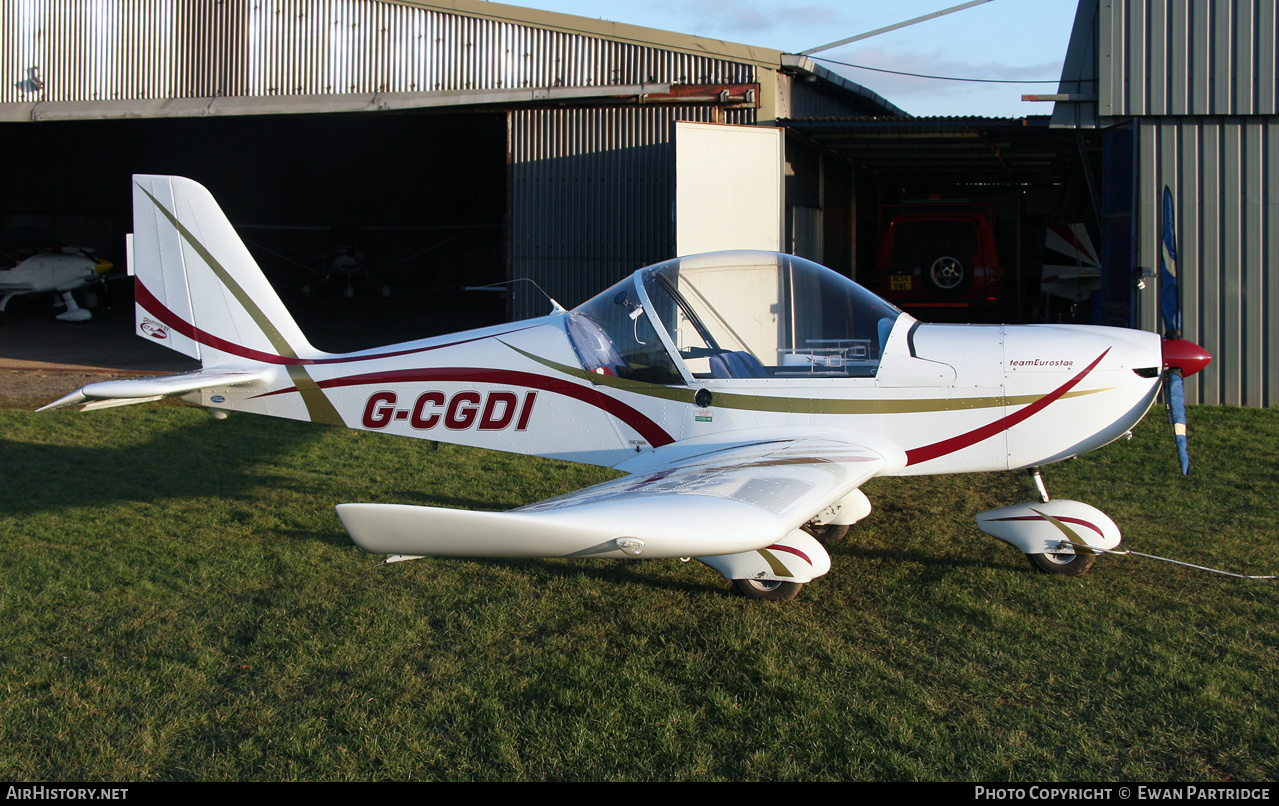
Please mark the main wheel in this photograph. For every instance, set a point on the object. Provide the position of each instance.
(1066, 565)
(767, 590)
(947, 276)
(830, 534)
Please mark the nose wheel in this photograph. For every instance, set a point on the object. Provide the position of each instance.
(1063, 565)
(767, 590)
(1058, 537)
(1060, 564)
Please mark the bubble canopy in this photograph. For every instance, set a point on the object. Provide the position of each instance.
(732, 315)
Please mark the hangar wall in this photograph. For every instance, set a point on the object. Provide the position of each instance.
(1219, 170)
(591, 196)
(1199, 83)
(1172, 57)
(588, 105)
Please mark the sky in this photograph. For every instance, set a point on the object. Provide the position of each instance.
(1023, 40)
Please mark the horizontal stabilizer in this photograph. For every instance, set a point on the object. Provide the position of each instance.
(140, 390)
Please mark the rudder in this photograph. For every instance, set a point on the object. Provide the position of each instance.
(198, 289)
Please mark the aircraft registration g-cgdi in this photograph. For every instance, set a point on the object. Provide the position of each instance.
(746, 396)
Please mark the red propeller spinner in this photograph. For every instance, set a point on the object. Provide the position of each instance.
(1185, 356)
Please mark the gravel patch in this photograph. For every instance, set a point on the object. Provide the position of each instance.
(30, 389)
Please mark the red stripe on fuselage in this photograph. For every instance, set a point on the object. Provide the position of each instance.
(157, 309)
(956, 443)
(645, 427)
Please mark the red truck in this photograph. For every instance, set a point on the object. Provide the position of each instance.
(934, 259)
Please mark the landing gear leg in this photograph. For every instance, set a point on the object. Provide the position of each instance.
(1072, 563)
(73, 313)
(1037, 479)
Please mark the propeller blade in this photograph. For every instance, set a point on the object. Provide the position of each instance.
(1181, 357)
(1169, 293)
(1175, 394)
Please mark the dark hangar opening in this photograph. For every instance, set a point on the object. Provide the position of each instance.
(1020, 175)
(369, 226)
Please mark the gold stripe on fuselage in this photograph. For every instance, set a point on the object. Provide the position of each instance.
(798, 405)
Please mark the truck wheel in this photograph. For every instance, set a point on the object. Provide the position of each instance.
(947, 276)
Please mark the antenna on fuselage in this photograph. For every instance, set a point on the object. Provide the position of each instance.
(555, 306)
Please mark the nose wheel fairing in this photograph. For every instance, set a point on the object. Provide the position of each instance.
(1058, 527)
(797, 558)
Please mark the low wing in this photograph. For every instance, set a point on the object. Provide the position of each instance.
(32, 277)
(12, 282)
(724, 501)
(140, 390)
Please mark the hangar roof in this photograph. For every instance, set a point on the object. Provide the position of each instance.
(240, 57)
(616, 31)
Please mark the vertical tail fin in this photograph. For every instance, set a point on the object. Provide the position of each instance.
(198, 289)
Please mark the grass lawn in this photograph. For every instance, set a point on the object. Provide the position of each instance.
(178, 601)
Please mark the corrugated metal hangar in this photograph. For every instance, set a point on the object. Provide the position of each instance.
(1184, 95)
(442, 144)
(382, 156)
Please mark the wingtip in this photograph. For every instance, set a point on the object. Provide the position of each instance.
(72, 399)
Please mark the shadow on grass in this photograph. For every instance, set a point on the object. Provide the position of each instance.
(853, 554)
(184, 457)
(182, 460)
(616, 572)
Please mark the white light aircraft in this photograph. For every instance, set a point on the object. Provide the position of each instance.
(58, 273)
(746, 396)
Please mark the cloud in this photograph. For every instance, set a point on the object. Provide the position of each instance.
(767, 23)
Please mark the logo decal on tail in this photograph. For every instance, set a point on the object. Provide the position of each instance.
(153, 328)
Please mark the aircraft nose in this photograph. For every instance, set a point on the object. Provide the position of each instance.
(1185, 355)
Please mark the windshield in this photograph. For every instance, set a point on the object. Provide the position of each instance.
(614, 336)
(733, 315)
